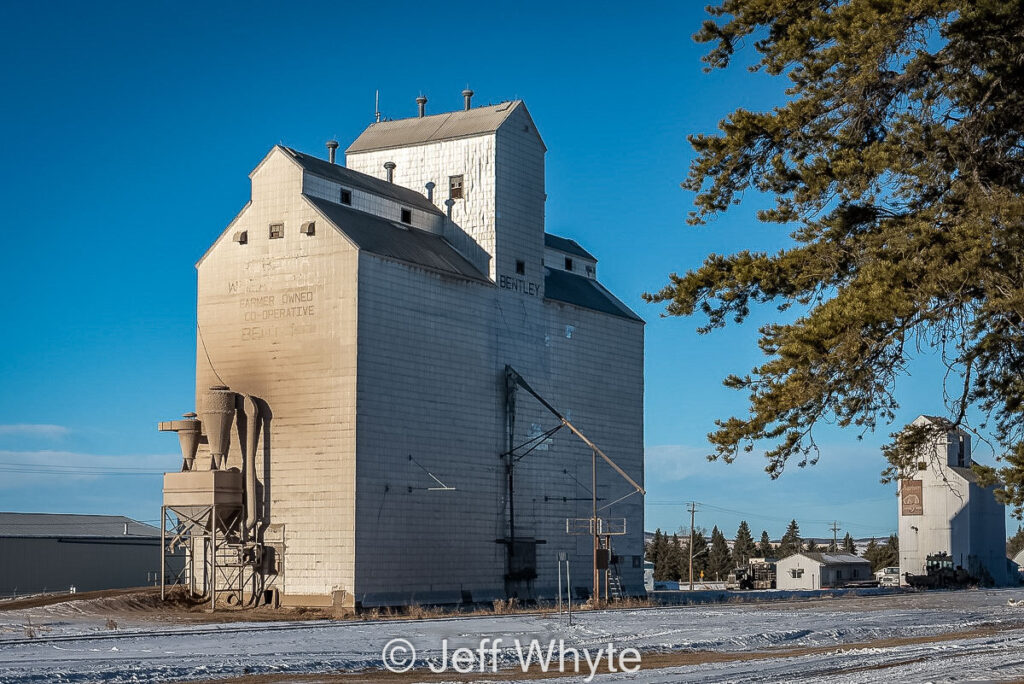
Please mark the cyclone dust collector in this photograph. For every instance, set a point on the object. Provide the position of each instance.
(209, 509)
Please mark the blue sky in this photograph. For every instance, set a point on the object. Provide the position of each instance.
(130, 130)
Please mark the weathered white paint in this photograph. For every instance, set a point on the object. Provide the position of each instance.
(384, 360)
(959, 517)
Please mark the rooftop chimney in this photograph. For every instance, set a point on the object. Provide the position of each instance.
(468, 94)
(332, 147)
(422, 102)
(390, 166)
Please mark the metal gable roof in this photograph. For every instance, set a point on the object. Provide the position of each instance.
(70, 525)
(362, 181)
(584, 292)
(833, 558)
(386, 238)
(566, 245)
(426, 129)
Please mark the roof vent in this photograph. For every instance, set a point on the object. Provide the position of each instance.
(332, 147)
(390, 166)
(422, 102)
(468, 94)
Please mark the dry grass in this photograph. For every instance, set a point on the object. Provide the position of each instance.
(115, 604)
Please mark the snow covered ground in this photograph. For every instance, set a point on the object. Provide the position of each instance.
(74, 646)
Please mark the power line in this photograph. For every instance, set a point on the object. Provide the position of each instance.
(749, 515)
(71, 465)
(48, 469)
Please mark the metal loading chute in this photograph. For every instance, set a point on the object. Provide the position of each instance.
(513, 381)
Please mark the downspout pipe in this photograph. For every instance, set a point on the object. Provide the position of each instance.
(252, 414)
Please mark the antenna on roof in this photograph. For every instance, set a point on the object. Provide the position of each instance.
(376, 105)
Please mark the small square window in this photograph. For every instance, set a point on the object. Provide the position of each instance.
(276, 230)
(346, 196)
(568, 264)
(922, 465)
(406, 215)
(520, 267)
(455, 187)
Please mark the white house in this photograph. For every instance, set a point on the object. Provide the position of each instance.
(811, 570)
(942, 509)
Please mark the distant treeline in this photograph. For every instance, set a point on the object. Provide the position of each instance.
(713, 560)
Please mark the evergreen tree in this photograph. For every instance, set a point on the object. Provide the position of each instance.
(658, 554)
(700, 557)
(790, 543)
(849, 546)
(743, 548)
(894, 163)
(1015, 544)
(871, 554)
(894, 544)
(676, 562)
(812, 546)
(719, 557)
(887, 554)
(765, 548)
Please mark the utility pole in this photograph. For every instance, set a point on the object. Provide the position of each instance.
(835, 531)
(593, 522)
(693, 510)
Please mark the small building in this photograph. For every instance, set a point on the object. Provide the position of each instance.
(943, 509)
(1016, 573)
(811, 570)
(41, 552)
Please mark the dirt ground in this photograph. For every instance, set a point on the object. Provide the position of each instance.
(651, 661)
(178, 607)
(144, 602)
(144, 607)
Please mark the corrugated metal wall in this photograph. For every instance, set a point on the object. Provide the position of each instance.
(37, 564)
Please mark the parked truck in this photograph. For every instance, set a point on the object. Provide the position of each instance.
(758, 573)
(940, 574)
(888, 577)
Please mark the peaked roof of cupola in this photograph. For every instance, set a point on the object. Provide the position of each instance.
(422, 130)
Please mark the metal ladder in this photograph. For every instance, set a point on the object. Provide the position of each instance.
(614, 579)
(614, 586)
